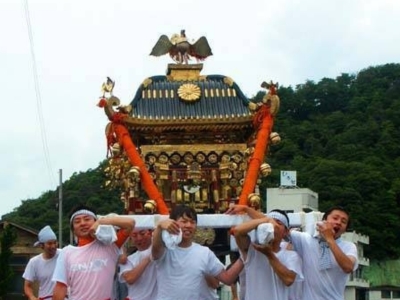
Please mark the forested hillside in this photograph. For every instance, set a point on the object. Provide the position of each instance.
(341, 135)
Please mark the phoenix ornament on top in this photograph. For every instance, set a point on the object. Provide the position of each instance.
(180, 49)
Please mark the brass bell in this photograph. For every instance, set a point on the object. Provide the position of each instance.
(275, 138)
(254, 200)
(134, 172)
(150, 206)
(265, 169)
(116, 149)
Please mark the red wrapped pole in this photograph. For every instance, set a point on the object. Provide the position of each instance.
(265, 122)
(148, 185)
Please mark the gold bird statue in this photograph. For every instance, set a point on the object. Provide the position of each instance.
(180, 49)
(108, 86)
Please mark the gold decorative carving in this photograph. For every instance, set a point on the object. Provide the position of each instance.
(147, 82)
(188, 158)
(204, 194)
(175, 159)
(253, 106)
(189, 92)
(204, 236)
(200, 158)
(184, 75)
(228, 81)
(213, 158)
(179, 196)
(216, 196)
(234, 182)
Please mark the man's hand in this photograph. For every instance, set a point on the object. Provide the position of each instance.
(264, 249)
(171, 226)
(326, 231)
(123, 259)
(236, 209)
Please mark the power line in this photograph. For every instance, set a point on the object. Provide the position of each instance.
(43, 135)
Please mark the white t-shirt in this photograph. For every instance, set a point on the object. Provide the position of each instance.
(318, 284)
(261, 279)
(41, 270)
(242, 284)
(206, 292)
(180, 272)
(87, 270)
(145, 288)
(296, 289)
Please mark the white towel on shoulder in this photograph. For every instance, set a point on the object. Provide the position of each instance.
(171, 241)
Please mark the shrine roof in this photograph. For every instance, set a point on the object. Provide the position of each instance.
(163, 98)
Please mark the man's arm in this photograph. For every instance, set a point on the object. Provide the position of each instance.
(125, 223)
(241, 234)
(234, 291)
(212, 281)
(28, 290)
(287, 276)
(345, 262)
(240, 209)
(229, 276)
(158, 245)
(131, 276)
(60, 291)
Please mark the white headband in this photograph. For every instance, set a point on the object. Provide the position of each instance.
(278, 216)
(83, 212)
(45, 234)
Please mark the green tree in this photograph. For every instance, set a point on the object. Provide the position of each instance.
(7, 240)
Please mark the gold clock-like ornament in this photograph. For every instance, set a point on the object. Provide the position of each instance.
(189, 92)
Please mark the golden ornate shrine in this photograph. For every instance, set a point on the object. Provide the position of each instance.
(188, 138)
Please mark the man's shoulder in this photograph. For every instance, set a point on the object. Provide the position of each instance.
(300, 235)
(35, 258)
(346, 244)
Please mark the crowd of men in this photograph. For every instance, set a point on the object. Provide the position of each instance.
(169, 265)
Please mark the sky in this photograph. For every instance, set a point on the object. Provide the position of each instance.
(52, 70)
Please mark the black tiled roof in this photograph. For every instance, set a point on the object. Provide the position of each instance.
(160, 100)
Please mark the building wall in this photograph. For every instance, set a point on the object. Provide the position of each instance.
(23, 250)
(292, 199)
(384, 295)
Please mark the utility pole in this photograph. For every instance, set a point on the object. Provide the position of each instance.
(60, 194)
